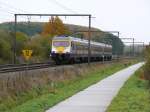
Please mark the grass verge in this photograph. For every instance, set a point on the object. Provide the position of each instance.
(40, 99)
(133, 97)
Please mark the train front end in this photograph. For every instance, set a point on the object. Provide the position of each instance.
(61, 47)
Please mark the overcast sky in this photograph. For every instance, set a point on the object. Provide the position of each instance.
(130, 17)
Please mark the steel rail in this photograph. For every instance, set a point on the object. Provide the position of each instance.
(23, 67)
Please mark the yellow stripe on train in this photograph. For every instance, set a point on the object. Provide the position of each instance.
(60, 49)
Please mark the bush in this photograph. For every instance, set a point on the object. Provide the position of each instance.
(147, 64)
(41, 46)
(5, 51)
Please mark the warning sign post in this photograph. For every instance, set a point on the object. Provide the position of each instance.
(27, 54)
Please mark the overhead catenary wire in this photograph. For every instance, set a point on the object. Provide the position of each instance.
(3, 10)
(62, 6)
(12, 7)
(9, 9)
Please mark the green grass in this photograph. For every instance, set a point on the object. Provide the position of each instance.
(133, 97)
(40, 99)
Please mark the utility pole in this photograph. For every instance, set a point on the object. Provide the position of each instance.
(133, 47)
(14, 39)
(118, 49)
(89, 41)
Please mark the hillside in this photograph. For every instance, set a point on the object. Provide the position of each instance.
(30, 29)
(33, 28)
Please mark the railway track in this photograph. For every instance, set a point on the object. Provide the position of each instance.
(22, 67)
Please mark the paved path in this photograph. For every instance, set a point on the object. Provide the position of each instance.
(97, 97)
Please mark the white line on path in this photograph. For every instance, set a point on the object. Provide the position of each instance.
(97, 97)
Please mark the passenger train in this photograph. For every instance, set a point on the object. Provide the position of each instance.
(70, 49)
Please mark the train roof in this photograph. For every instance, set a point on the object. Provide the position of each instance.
(79, 40)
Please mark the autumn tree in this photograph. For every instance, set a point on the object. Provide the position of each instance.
(54, 27)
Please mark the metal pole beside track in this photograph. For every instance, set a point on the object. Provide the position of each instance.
(118, 49)
(14, 39)
(133, 47)
(89, 40)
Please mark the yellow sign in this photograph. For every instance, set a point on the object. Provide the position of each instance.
(27, 54)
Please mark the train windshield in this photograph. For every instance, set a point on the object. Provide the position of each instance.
(61, 43)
